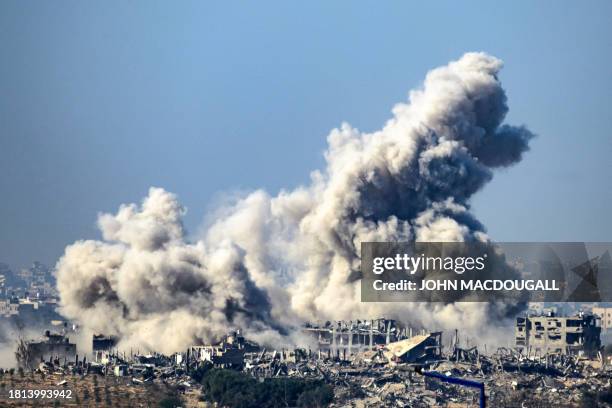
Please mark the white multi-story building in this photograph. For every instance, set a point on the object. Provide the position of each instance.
(605, 314)
(8, 308)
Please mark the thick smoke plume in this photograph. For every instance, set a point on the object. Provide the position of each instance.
(266, 263)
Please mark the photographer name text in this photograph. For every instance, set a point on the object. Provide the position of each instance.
(473, 285)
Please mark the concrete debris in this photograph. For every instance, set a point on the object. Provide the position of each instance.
(417, 349)
(411, 372)
(388, 375)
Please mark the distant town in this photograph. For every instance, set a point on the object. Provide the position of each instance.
(28, 297)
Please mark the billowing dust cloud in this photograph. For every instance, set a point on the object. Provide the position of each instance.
(267, 264)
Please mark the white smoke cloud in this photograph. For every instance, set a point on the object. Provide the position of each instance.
(266, 264)
(8, 345)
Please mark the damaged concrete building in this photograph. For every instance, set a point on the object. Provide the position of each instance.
(229, 353)
(352, 336)
(420, 349)
(101, 342)
(605, 314)
(550, 334)
(52, 347)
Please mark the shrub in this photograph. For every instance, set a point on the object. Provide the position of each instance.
(171, 401)
(238, 390)
(317, 397)
(198, 373)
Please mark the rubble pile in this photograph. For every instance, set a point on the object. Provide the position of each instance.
(371, 379)
(411, 372)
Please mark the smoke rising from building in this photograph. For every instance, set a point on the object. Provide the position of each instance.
(269, 263)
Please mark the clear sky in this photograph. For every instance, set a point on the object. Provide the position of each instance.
(101, 99)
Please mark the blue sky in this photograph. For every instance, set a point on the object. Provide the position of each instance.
(100, 100)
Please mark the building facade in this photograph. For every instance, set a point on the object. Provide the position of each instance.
(578, 335)
(605, 314)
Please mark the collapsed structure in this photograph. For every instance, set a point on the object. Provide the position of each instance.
(568, 335)
(355, 335)
(422, 349)
(408, 372)
(54, 347)
(229, 353)
(101, 342)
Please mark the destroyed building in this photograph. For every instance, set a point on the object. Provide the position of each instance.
(52, 347)
(413, 372)
(420, 349)
(101, 342)
(229, 353)
(568, 335)
(350, 336)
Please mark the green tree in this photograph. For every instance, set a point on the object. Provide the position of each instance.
(171, 401)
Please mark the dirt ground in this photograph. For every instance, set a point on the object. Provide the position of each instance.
(90, 391)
